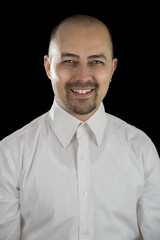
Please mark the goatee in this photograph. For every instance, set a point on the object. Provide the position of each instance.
(81, 106)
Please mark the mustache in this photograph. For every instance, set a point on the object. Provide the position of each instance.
(80, 84)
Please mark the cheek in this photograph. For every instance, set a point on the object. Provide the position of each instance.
(104, 81)
(62, 74)
(59, 79)
(103, 89)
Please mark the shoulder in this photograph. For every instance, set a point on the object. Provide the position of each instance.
(26, 132)
(127, 132)
(132, 140)
(122, 125)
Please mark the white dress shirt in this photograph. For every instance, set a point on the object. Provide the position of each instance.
(61, 179)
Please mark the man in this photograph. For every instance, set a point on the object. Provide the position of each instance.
(77, 172)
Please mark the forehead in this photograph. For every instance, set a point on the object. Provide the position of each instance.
(83, 38)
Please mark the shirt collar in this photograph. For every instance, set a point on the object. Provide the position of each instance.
(65, 125)
(97, 123)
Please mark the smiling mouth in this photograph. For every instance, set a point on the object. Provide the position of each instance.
(82, 91)
(79, 89)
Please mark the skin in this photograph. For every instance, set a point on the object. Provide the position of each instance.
(80, 66)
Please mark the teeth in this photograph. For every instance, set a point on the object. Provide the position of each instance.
(81, 91)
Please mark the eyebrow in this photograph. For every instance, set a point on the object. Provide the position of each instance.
(95, 56)
(69, 55)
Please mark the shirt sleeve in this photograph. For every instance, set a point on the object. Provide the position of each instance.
(149, 203)
(9, 198)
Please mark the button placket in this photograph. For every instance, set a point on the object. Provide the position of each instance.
(83, 168)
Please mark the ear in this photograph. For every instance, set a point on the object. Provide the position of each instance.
(47, 66)
(115, 61)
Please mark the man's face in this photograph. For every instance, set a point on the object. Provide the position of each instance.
(81, 67)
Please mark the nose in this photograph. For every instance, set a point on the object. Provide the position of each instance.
(83, 73)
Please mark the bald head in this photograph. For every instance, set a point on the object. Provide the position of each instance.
(79, 22)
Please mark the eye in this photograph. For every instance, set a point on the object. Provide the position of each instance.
(96, 62)
(69, 62)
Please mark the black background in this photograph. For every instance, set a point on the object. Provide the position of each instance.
(25, 90)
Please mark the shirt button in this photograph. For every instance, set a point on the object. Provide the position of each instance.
(83, 157)
(86, 232)
(85, 194)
